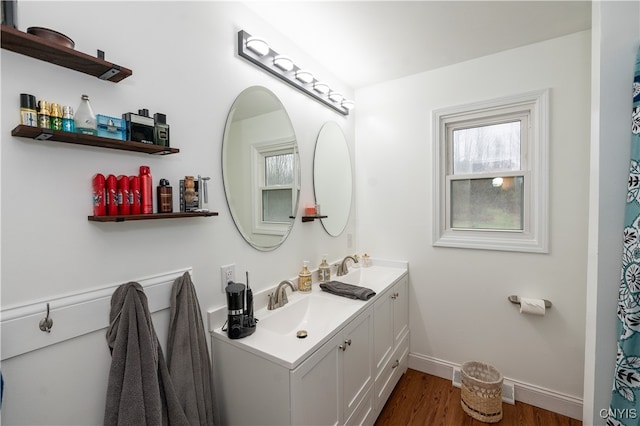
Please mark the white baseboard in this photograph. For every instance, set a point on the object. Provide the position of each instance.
(524, 392)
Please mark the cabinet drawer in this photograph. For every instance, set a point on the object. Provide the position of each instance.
(363, 413)
(393, 369)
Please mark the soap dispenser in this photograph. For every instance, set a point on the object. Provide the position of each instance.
(304, 278)
(324, 270)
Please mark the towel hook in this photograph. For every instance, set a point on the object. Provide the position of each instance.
(46, 323)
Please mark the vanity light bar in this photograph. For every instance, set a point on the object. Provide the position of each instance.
(258, 52)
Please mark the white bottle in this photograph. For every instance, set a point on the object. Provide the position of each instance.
(324, 270)
(85, 119)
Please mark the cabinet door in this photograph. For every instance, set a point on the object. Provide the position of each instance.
(315, 387)
(357, 362)
(400, 310)
(383, 326)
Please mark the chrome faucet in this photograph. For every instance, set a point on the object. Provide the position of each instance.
(342, 266)
(279, 298)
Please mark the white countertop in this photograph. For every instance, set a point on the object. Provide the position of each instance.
(277, 342)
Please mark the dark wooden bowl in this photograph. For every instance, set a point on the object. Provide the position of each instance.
(52, 35)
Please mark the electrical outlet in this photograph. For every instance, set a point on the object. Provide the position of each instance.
(227, 273)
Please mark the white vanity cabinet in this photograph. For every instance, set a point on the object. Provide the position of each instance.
(333, 386)
(344, 377)
(391, 341)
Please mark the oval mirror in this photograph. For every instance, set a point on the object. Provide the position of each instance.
(332, 179)
(261, 168)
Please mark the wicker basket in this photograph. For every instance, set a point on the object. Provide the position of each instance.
(481, 391)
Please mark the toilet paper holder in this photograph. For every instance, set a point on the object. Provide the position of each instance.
(516, 300)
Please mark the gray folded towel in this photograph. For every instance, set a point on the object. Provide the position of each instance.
(348, 290)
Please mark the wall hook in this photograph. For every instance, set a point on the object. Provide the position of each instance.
(46, 323)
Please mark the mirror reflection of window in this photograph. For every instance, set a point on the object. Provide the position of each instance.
(277, 192)
(276, 185)
(261, 168)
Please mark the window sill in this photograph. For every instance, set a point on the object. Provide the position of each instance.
(490, 240)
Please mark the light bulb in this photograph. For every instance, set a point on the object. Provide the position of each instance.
(283, 62)
(257, 46)
(347, 104)
(321, 88)
(304, 76)
(336, 97)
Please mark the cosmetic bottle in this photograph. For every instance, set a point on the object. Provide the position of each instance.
(160, 129)
(55, 120)
(124, 205)
(85, 119)
(112, 195)
(357, 263)
(304, 278)
(68, 125)
(324, 270)
(146, 190)
(44, 119)
(164, 197)
(28, 112)
(99, 206)
(135, 206)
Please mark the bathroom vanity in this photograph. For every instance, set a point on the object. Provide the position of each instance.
(341, 373)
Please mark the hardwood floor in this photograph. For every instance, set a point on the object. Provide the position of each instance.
(422, 399)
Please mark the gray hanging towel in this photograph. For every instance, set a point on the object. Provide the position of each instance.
(140, 391)
(348, 290)
(188, 354)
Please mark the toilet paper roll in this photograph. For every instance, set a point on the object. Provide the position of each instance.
(532, 306)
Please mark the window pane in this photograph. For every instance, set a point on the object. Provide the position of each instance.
(276, 205)
(278, 169)
(487, 149)
(492, 203)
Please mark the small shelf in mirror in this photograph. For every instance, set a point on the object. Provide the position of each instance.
(312, 218)
(125, 218)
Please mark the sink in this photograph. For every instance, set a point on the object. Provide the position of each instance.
(314, 313)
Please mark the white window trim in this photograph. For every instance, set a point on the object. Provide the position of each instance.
(534, 238)
(259, 152)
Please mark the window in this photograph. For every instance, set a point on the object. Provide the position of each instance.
(276, 185)
(490, 165)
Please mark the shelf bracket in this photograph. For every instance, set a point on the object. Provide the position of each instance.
(44, 135)
(110, 73)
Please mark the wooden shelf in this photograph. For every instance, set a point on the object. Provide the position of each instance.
(125, 218)
(312, 218)
(48, 51)
(47, 135)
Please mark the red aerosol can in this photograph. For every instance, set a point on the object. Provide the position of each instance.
(146, 190)
(112, 196)
(134, 195)
(99, 206)
(124, 207)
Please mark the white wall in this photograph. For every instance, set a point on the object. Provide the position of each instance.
(459, 309)
(184, 64)
(616, 36)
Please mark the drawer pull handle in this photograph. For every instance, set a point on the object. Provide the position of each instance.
(395, 364)
(395, 295)
(348, 342)
(343, 347)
